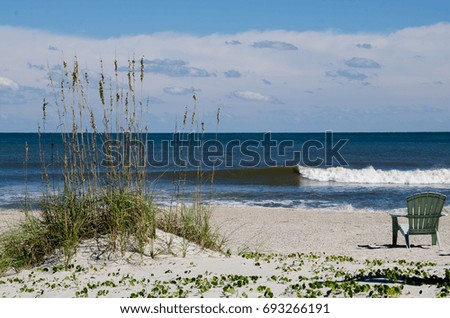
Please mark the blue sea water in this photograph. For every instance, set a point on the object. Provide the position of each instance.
(340, 171)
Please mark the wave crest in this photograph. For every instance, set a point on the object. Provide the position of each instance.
(370, 175)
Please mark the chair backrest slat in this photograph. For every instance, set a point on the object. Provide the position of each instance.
(424, 210)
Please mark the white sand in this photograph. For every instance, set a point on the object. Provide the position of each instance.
(290, 230)
(182, 269)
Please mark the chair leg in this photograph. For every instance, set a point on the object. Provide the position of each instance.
(407, 240)
(394, 237)
(435, 239)
(394, 231)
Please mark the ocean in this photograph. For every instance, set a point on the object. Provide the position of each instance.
(333, 171)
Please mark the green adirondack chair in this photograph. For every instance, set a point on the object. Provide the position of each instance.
(424, 211)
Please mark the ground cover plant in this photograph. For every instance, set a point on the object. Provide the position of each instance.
(293, 275)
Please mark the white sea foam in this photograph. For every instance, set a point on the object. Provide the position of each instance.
(332, 207)
(371, 175)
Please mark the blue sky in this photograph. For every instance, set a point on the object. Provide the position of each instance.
(120, 17)
(348, 65)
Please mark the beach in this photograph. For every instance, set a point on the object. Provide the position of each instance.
(269, 252)
(358, 234)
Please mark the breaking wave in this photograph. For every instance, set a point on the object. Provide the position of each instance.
(370, 175)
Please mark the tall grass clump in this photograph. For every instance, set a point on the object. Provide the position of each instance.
(189, 217)
(193, 223)
(83, 199)
(95, 200)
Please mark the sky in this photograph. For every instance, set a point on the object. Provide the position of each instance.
(304, 65)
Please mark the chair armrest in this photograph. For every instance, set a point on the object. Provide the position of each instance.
(398, 214)
(405, 215)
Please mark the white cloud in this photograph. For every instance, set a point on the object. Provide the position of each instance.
(12, 93)
(39, 67)
(232, 74)
(341, 65)
(366, 46)
(175, 68)
(233, 42)
(178, 90)
(254, 97)
(362, 62)
(6, 83)
(277, 45)
(348, 74)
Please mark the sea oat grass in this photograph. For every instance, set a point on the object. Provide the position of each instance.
(93, 201)
(25, 245)
(192, 222)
